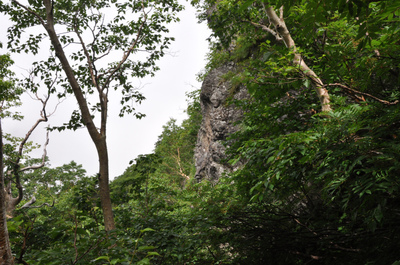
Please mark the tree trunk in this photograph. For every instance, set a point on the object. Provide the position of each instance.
(316, 82)
(104, 187)
(11, 203)
(6, 257)
(99, 139)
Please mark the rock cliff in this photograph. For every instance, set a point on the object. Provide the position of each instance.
(218, 123)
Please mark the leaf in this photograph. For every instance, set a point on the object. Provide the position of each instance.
(115, 261)
(147, 230)
(146, 248)
(152, 253)
(145, 261)
(270, 159)
(245, 5)
(103, 258)
(306, 82)
(378, 215)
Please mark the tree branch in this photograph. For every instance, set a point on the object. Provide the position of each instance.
(83, 106)
(129, 51)
(16, 169)
(43, 157)
(75, 238)
(89, 60)
(364, 94)
(178, 160)
(267, 29)
(30, 11)
(33, 200)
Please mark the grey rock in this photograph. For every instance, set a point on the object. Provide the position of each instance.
(218, 123)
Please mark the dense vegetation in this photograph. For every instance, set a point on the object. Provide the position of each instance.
(316, 187)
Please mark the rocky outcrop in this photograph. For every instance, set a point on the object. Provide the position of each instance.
(218, 123)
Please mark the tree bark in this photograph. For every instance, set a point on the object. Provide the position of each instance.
(6, 257)
(104, 187)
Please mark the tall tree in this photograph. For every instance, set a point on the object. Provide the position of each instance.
(6, 257)
(107, 35)
(8, 94)
(13, 151)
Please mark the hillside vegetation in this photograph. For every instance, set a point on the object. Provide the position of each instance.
(319, 143)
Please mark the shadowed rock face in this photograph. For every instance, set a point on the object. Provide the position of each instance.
(217, 124)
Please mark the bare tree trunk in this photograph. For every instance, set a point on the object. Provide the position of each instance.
(6, 257)
(104, 187)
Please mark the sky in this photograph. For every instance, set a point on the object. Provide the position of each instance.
(127, 137)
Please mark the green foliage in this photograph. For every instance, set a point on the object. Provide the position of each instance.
(103, 39)
(6, 81)
(155, 195)
(312, 189)
(108, 34)
(71, 231)
(9, 92)
(55, 180)
(308, 177)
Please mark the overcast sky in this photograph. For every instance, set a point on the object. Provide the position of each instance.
(127, 137)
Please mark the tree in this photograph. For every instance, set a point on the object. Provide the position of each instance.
(175, 146)
(92, 68)
(14, 150)
(173, 149)
(295, 39)
(5, 250)
(54, 180)
(8, 93)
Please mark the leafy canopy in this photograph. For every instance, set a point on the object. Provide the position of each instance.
(107, 43)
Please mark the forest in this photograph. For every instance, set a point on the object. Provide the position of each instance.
(316, 152)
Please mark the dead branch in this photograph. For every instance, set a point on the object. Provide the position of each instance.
(43, 157)
(178, 160)
(14, 174)
(267, 29)
(16, 168)
(33, 200)
(29, 203)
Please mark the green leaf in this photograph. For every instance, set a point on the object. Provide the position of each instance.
(145, 261)
(103, 258)
(145, 248)
(152, 253)
(307, 82)
(115, 261)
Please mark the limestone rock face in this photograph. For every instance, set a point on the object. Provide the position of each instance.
(218, 123)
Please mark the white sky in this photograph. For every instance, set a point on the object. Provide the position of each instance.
(127, 137)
